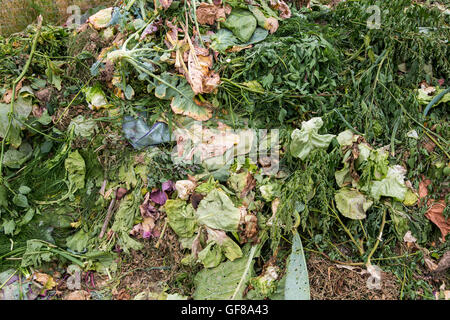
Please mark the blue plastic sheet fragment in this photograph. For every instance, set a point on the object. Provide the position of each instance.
(140, 135)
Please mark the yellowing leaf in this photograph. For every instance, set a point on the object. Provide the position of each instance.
(101, 19)
(352, 203)
(44, 279)
(200, 77)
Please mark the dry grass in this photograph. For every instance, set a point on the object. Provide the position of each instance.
(15, 15)
(328, 282)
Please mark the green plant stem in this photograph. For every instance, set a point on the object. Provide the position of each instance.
(394, 132)
(240, 86)
(403, 283)
(364, 230)
(66, 196)
(383, 222)
(427, 131)
(247, 269)
(13, 98)
(6, 281)
(347, 123)
(194, 4)
(361, 249)
(435, 100)
(129, 5)
(162, 234)
(39, 132)
(137, 66)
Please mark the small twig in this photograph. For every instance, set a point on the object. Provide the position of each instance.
(108, 215)
(162, 234)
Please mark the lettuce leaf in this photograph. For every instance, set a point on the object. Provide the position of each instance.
(181, 217)
(308, 138)
(393, 185)
(352, 203)
(217, 211)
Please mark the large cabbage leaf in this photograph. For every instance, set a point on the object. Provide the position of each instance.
(227, 281)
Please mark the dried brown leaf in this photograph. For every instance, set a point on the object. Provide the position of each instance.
(200, 77)
(8, 95)
(208, 13)
(251, 183)
(444, 263)
(435, 214)
(44, 279)
(282, 7)
(78, 295)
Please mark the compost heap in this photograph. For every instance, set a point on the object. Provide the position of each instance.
(243, 127)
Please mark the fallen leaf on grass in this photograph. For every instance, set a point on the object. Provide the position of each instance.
(307, 138)
(423, 185)
(217, 211)
(374, 281)
(358, 270)
(101, 19)
(297, 280)
(185, 188)
(122, 295)
(428, 144)
(352, 203)
(150, 215)
(268, 23)
(147, 226)
(201, 143)
(430, 264)
(242, 183)
(242, 23)
(186, 104)
(159, 197)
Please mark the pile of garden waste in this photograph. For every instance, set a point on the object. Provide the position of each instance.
(221, 147)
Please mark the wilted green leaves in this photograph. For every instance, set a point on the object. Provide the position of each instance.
(217, 211)
(76, 169)
(308, 138)
(181, 217)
